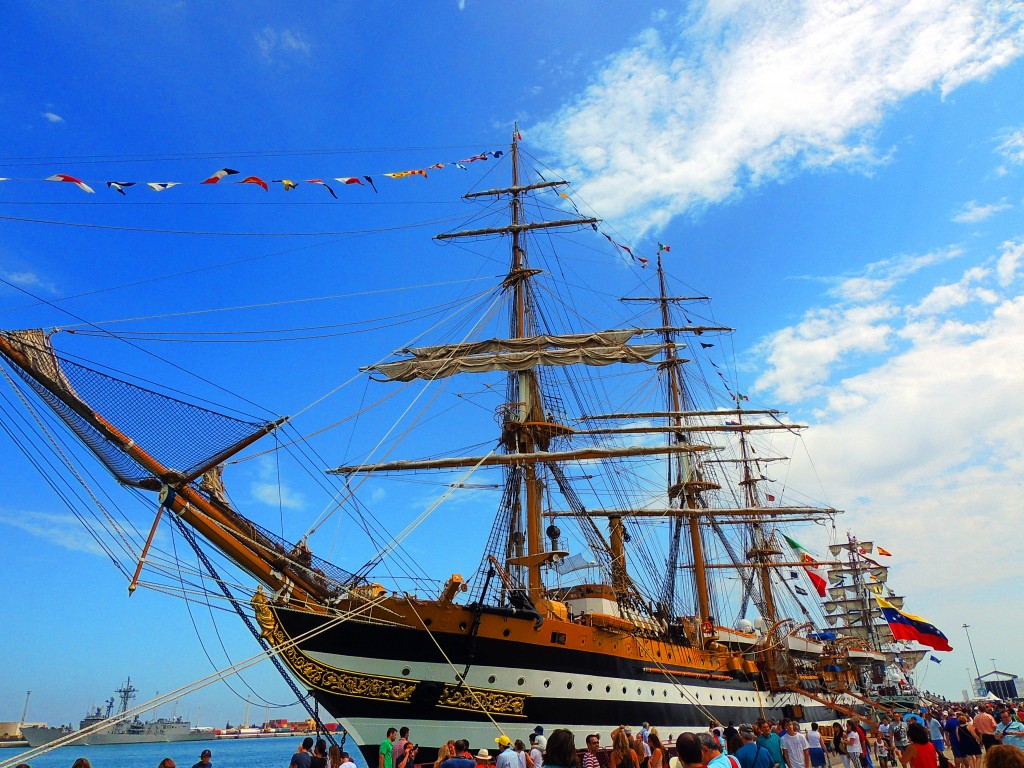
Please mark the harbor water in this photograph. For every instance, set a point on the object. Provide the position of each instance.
(227, 753)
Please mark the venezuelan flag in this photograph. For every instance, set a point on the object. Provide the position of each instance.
(906, 626)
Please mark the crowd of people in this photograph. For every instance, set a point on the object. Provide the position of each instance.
(912, 741)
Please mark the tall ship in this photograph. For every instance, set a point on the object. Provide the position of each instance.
(852, 608)
(634, 563)
(128, 731)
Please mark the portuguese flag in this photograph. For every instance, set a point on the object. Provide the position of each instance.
(815, 570)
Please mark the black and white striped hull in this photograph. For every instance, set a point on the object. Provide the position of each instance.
(397, 676)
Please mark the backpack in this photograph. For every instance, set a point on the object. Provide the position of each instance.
(899, 733)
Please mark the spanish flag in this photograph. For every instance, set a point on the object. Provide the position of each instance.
(906, 626)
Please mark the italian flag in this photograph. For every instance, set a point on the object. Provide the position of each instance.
(815, 570)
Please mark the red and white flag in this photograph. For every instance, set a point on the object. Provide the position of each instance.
(71, 179)
(220, 175)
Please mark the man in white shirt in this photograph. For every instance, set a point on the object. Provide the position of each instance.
(795, 749)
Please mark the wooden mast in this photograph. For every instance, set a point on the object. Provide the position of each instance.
(528, 410)
(527, 381)
(684, 469)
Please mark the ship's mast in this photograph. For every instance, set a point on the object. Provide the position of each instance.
(529, 397)
(681, 475)
(527, 423)
(126, 693)
(763, 550)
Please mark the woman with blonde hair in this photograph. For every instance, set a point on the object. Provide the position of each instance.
(444, 753)
(623, 755)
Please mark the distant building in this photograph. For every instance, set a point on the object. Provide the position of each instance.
(10, 729)
(1000, 684)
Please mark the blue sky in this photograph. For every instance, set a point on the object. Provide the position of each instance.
(844, 179)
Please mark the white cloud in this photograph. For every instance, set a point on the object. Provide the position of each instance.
(274, 43)
(943, 298)
(927, 447)
(1012, 147)
(62, 530)
(1009, 261)
(749, 91)
(29, 280)
(271, 490)
(802, 357)
(973, 212)
(53, 117)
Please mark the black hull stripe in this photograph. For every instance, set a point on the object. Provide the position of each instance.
(414, 646)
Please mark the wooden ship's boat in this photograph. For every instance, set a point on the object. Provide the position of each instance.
(634, 570)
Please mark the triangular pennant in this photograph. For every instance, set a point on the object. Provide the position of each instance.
(322, 184)
(255, 180)
(118, 186)
(72, 180)
(219, 175)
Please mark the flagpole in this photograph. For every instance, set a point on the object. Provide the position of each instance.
(970, 645)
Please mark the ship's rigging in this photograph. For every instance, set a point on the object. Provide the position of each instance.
(620, 453)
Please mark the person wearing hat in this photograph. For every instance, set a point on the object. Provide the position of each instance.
(204, 759)
(751, 754)
(506, 756)
(483, 757)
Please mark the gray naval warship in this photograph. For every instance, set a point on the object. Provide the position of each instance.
(132, 731)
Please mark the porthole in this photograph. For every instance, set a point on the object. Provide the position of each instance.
(590, 686)
(428, 622)
(607, 689)
(522, 681)
(406, 671)
(547, 683)
(666, 694)
(568, 685)
(506, 632)
(623, 689)
(490, 679)
(462, 626)
(652, 691)
(638, 692)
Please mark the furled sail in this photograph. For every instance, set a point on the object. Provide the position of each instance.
(429, 369)
(527, 344)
